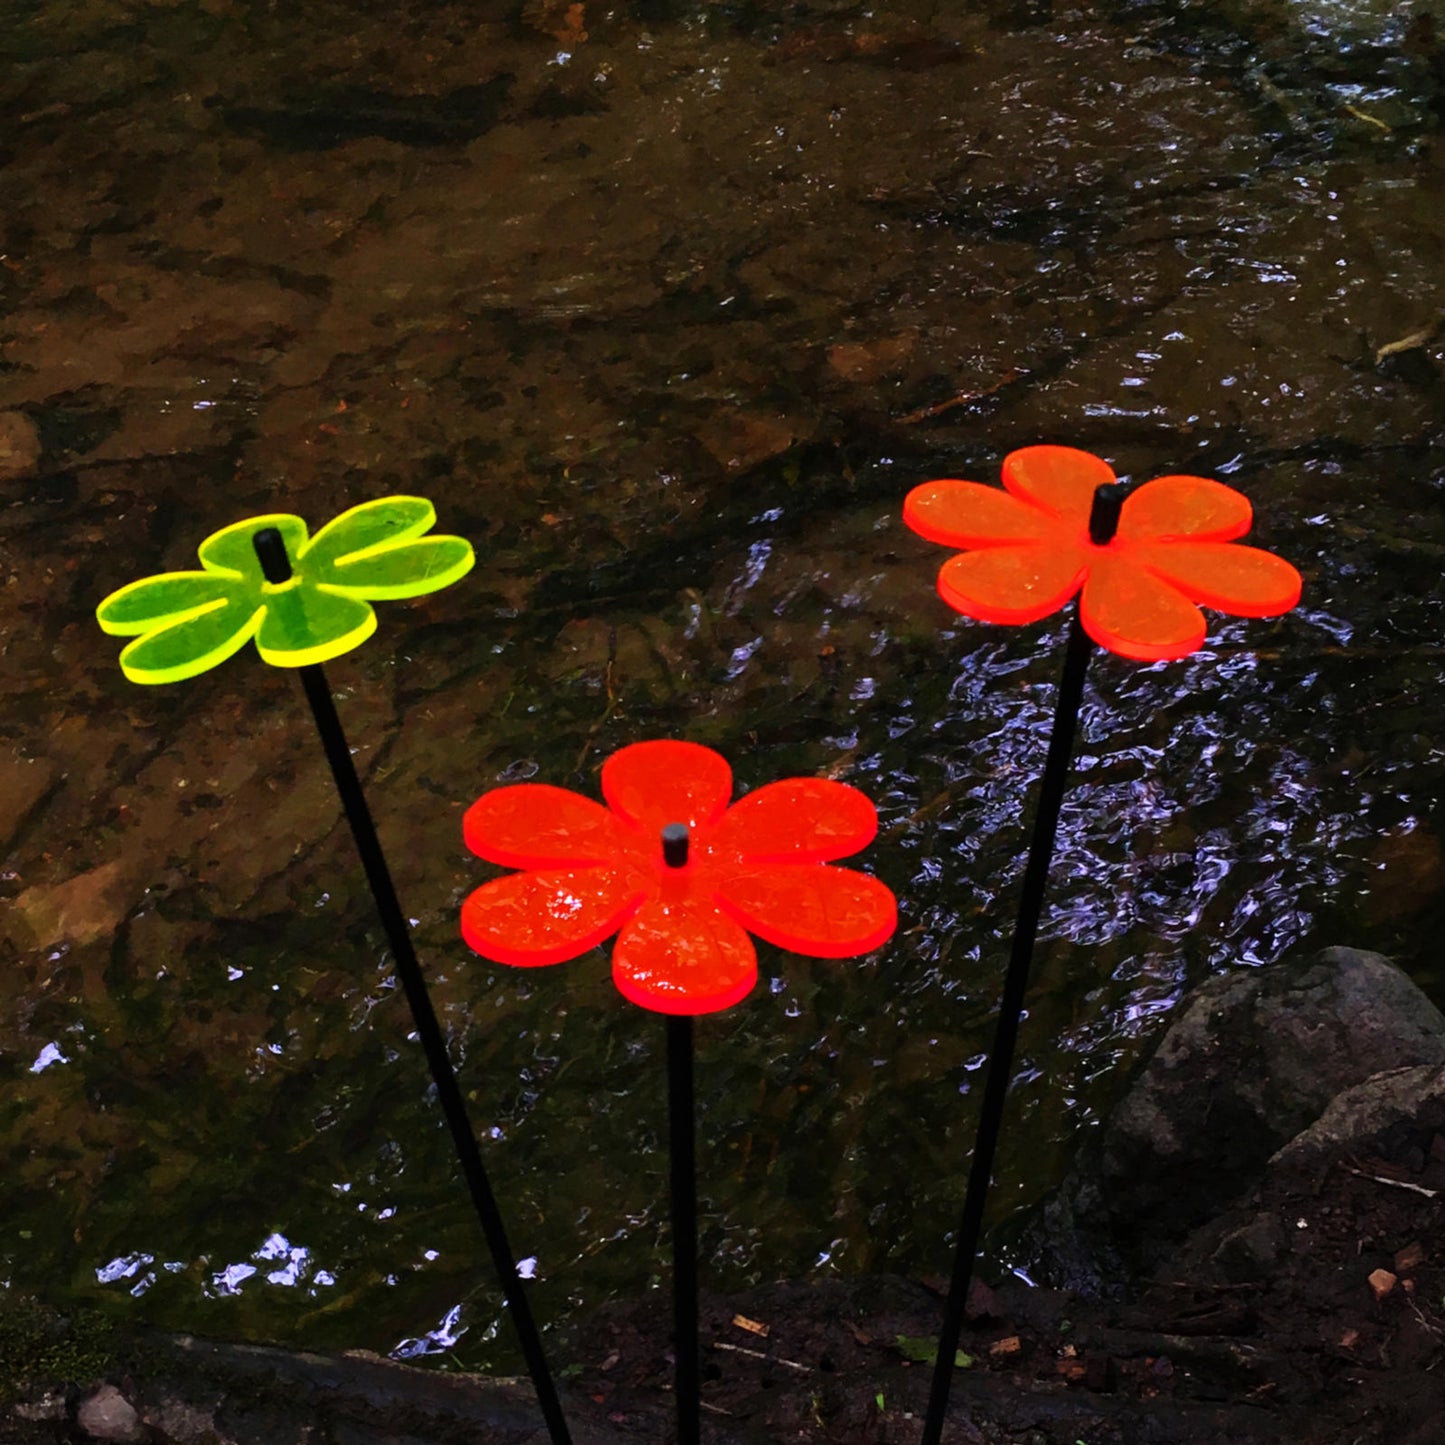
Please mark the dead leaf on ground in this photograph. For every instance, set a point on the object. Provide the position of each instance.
(1407, 1258)
(1382, 1282)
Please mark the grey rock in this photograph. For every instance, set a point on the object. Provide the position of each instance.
(1360, 1119)
(184, 1424)
(106, 1414)
(1253, 1059)
(1252, 1251)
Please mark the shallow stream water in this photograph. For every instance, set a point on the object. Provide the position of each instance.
(666, 308)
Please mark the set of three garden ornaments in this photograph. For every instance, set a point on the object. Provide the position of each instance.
(668, 866)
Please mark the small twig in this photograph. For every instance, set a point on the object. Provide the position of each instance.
(1394, 1183)
(759, 1355)
(1373, 120)
(964, 398)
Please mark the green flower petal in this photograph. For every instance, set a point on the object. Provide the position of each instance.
(305, 624)
(190, 646)
(232, 549)
(407, 569)
(162, 601)
(192, 620)
(381, 523)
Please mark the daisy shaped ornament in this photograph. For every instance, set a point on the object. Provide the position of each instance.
(1141, 590)
(680, 876)
(187, 622)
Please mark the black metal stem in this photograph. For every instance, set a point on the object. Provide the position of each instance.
(683, 1161)
(1000, 1061)
(433, 1043)
(449, 1093)
(1102, 524)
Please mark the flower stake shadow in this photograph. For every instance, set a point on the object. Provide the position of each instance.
(305, 601)
(682, 878)
(1142, 564)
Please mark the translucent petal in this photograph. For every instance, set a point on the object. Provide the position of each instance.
(824, 912)
(380, 523)
(304, 625)
(1227, 576)
(1134, 613)
(1012, 584)
(804, 820)
(530, 919)
(193, 645)
(1193, 507)
(684, 957)
(407, 569)
(653, 784)
(162, 601)
(534, 825)
(232, 549)
(1062, 480)
(967, 514)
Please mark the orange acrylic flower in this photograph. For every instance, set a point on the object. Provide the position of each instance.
(1174, 551)
(683, 945)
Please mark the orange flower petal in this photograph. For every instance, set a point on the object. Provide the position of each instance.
(1193, 507)
(1062, 480)
(967, 514)
(1134, 613)
(797, 820)
(1244, 581)
(686, 957)
(824, 912)
(1012, 584)
(529, 919)
(534, 825)
(656, 783)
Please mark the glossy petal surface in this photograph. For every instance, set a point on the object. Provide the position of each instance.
(684, 958)
(653, 784)
(530, 919)
(305, 625)
(683, 947)
(407, 569)
(968, 514)
(1185, 507)
(1230, 578)
(1136, 614)
(205, 638)
(534, 825)
(232, 550)
(1061, 480)
(1011, 584)
(373, 526)
(797, 820)
(162, 601)
(823, 912)
(1173, 550)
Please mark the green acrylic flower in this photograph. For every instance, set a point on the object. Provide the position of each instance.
(190, 621)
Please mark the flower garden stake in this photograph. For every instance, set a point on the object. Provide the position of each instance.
(681, 878)
(1141, 563)
(305, 601)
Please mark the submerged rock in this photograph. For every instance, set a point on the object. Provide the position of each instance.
(19, 445)
(1253, 1059)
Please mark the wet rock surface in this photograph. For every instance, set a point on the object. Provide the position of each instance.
(1248, 1068)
